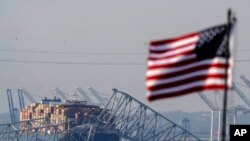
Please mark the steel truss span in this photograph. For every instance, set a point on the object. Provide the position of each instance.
(124, 118)
(138, 122)
(41, 129)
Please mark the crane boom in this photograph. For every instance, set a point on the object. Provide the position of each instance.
(27, 94)
(207, 101)
(21, 99)
(61, 93)
(243, 77)
(241, 94)
(101, 100)
(11, 105)
(84, 94)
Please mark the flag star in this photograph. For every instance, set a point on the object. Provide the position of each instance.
(213, 33)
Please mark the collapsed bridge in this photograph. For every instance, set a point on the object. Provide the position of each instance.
(122, 118)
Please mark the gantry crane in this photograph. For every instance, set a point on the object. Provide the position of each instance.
(60, 93)
(241, 94)
(14, 112)
(11, 105)
(21, 99)
(243, 77)
(213, 107)
(101, 100)
(28, 95)
(234, 109)
(85, 95)
(208, 102)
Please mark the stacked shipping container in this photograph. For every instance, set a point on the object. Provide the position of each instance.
(68, 114)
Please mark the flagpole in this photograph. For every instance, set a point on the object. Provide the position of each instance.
(224, 110)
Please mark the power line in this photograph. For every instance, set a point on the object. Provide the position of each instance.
(71, 63)
(18, 38)
(84, 63)
(243, 60)
(243, 50)
(85, 53)
(70, 53)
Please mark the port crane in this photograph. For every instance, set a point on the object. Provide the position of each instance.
(13, 111)
(101, 100)
(85, 95)
(244, 78)
(28, 95)
(234, 109)
(21, 99)
(213, 107)
(241, 94)
(60, 93)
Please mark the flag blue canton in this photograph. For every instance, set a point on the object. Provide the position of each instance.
(212, 42)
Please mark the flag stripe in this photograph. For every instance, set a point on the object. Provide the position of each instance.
(182, 51)
(187, 91)
(169, 69)
(171, 60)
(183, 61)
(164, 42)
(209, 81)
(185, 71)
(185, 81)
(185, 76)
(166, 48)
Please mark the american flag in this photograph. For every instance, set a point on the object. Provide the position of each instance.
(189, 63)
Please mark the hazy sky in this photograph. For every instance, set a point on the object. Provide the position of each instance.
(103, 32)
